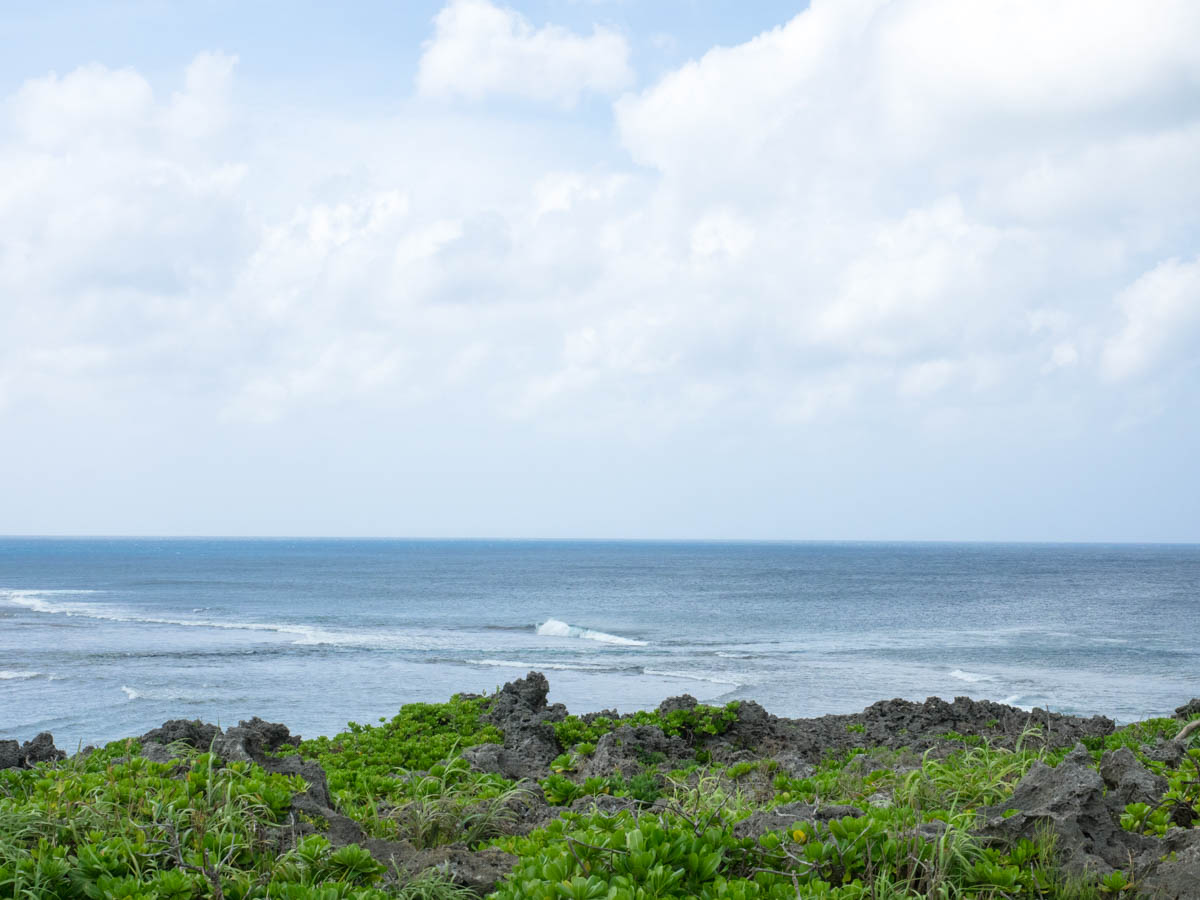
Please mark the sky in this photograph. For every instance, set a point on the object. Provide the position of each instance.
(847, 270)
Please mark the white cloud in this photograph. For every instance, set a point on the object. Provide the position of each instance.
(91, 101)
(480, 49)
(808, 227)
(1162, 319)
(202, 108)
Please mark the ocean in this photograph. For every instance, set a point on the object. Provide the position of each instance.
(106, 638)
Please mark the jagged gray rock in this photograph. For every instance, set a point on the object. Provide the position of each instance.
(1128, 781)
(1070, 800)
(784, 817)
(40, 749)
(1189, 709)
(194, 733)
(479, 871)
(10, 755)
(1171, 871)
(250, 741)
(628, 750)
(519, 710)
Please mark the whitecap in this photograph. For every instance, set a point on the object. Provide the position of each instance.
(10, 675)
(559, 628)
(692, 676)
(537, 666)
(41, 602)
(971, 677)
(1014, 700)
(130, 692)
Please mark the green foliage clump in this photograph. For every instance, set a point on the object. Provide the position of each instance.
(418, 737)
(115, 826)
(1180, 805)
(450, 804)
(371, 769)
(689, 724)
(1135, 736)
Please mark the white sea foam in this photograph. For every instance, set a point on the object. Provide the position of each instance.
(535, 666)
(971, 677)
(559, 628)
(130, 692)
(10, 675)
(1014, 700)
(692, 676)
(44, 602)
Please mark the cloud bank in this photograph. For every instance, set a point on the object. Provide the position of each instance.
(915, 216)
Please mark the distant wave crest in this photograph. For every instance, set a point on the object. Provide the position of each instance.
(10, 675)
(559, 628)
(50, 603)
(970, 677)
(554, 666)
(694, 676)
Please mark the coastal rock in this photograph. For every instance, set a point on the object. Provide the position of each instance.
(518, 764)
(905, 723)
(154, 752)
(519, 710)
(10, 755)
(40, 749)
(194, 733)
(1070, 800)
(1128, 781)
(522, 696)
(310, 770)
(1172, 871)
(479, 871)
(1189, 709)
(754, 729)
(628, 750)
(1169, 752)
(341, 830)
(251, 741)
(793, 764)
(784, 817)
(672, 704)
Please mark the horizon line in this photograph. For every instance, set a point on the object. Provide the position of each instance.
(593, 540)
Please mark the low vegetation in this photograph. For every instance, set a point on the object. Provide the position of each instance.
(864, 822)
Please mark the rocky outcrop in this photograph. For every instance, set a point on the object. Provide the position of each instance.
(1189, 709)
(520, 711)
(1070, 800)
(190, 733)
(784, 817)
(479, 871)
(1172, 871)
(1128, 781)
(26, 756)
(627, 750)
(251, 741)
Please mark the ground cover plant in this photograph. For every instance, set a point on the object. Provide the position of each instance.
(698, 801)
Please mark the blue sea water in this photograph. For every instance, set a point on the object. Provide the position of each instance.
(104, 638)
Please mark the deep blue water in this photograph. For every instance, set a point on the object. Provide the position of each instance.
(103, 638)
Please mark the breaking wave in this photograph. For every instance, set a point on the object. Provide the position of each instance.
(691, 676)
(561, 667)
(46, 602)
(559, 628)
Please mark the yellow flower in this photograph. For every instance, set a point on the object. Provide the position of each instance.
(799, 836)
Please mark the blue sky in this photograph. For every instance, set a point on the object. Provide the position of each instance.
(875, 269)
